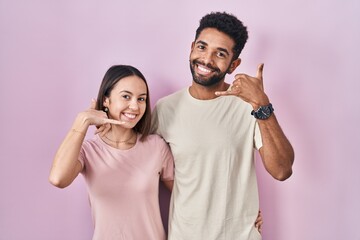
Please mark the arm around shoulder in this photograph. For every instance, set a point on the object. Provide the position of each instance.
(169, 184)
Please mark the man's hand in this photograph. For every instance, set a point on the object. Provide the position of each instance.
(248, 88)
(259, 222)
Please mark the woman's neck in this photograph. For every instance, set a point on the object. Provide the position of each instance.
(120, 138)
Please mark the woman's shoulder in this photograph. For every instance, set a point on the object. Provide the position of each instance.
(93, 142)
(157, 145)
(155, 139)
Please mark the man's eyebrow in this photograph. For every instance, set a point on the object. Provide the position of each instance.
(223, 50)
(201, 42)
(219, 48)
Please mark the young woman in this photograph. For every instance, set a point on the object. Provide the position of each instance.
(121, 166)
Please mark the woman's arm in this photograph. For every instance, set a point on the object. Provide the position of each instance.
(66, 166)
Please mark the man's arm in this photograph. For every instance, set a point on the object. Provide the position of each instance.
(169, 184)
(276, 151)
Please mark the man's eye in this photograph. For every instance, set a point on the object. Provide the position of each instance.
(201, 47)
(220, 54)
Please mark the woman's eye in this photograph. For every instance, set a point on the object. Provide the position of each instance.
(126, 96)
(141, 99)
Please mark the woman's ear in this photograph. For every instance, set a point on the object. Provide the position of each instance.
(106, 102)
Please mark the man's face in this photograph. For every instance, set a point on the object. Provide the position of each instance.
(211, 57)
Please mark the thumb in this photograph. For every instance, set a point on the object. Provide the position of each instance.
(259, 73)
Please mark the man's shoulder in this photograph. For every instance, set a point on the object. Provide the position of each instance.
(172, 98)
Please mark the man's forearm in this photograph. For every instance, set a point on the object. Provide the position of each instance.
(277, 153)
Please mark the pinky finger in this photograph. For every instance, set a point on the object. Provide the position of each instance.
(223, 93)
(100, 129)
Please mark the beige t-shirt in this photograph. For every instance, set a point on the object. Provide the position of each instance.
(215, 193)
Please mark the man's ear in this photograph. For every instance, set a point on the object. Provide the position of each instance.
(234, 64)
(192, 46)
(191, 49)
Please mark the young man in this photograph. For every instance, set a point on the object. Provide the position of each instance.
(213, 129)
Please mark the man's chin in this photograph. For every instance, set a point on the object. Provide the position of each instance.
(207, 82)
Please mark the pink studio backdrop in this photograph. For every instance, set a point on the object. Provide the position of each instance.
(53, 55)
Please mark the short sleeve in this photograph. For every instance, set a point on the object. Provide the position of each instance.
(154, 121)
(167, 171)
(81, 157)
(257, 137)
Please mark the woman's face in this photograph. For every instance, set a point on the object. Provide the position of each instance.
(127, 101)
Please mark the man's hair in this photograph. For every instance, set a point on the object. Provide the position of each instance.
(228, 24)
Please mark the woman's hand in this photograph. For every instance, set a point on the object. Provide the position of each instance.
(94, 117)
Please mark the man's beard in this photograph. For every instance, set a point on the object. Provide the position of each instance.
(215, 79)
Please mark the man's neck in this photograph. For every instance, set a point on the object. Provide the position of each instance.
(206, 93)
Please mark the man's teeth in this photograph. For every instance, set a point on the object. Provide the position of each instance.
(201, 68)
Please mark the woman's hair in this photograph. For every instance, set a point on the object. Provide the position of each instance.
(228, 24)
(112, 76)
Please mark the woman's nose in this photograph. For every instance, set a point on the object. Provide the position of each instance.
(133, 105)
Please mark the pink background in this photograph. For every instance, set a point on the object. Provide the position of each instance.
(53, 55)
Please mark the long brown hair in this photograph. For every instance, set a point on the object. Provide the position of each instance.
(112, 76)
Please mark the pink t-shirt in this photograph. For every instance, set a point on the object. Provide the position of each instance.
(123, 187)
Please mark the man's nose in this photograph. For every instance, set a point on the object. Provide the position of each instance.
(207, 58)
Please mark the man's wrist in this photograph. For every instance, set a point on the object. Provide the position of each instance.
(262, 100)
(263, 112)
